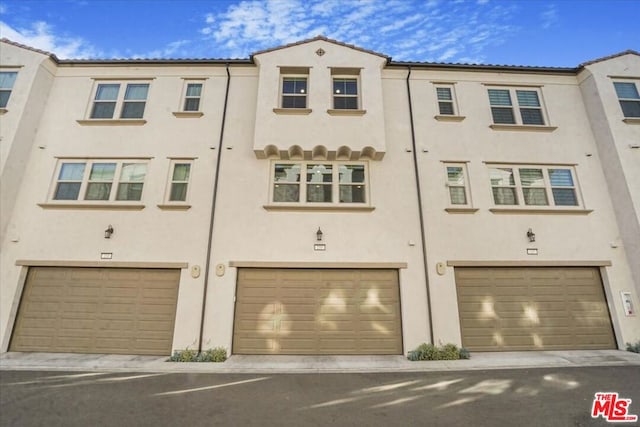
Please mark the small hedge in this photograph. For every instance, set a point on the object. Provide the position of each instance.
(433, 352)
(634, 348)
(218, 354)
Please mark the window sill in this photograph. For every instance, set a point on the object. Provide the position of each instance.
(462, 210)
(535, 128)
(188, 114)
(112, 122)
(3, 111)
(542, 211)
(293, 111)
(632, 120)
(103, 206)
(316, 208)
(174, 207)
(449, 118)
(334, 112)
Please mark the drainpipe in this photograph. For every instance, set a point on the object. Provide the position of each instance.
(420, 211)
(207, 267)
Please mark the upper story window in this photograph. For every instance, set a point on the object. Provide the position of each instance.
(100, 180)
(457, 184)
(345, 93)
(119, 100)
(294, 92)
(7, 80)
(533, 186)
(446, 101)
(179, 183)
(515, 106)
(320, 183)
(192, 95)
(629, 98)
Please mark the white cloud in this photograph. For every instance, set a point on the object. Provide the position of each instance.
(404, 29)
(41, 36)
(549, 16)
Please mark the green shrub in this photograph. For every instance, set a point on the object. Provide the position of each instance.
(218, 354)
(433, 352)
(635, 348)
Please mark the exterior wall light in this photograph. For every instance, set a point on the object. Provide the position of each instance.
(108, 232)
(319, 235)
(531, 235)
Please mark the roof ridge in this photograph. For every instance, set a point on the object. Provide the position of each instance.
(615, 55)
(32, 49)
(323, 38)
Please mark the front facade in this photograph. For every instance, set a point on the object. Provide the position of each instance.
(316, 198)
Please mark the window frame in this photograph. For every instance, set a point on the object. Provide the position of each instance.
(516, 108)
(465, 185)
(85, 181)
(170, 181)
(120, 101)
(186, 96)
(357, 96)
(621, 100)
(282, 94)
(335, 184)
(519, 188)
(455, 112)
(8, 89)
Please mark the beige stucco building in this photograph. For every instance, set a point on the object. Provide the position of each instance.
(317, 198)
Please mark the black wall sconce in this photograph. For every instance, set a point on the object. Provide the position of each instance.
(108, 232)
(319, 235)
(531, 235)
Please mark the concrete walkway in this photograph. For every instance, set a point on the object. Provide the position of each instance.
(317, 364)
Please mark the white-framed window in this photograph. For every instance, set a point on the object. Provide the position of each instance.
(294, 91)
(345, 93)
(192, 96)
(628, 97)
(179, 177)
(446, 100)
(532, 185)
(458, 184)
(7, 80)
(99, 180)
(319, 183)
(516, 106)
(119, 100)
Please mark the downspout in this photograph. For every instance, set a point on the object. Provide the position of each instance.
(420, 211)
(207, 267)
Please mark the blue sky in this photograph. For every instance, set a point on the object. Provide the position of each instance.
(508, 32)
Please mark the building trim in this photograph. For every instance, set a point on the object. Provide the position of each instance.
(466, 263)
(526, 128)
(106, 206)
(111, 122)
(545, 211)
(99, 264)
(318, 264)
(316, 208)
(445, 118)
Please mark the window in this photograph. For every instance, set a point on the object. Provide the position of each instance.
(345, 93)
(7, 80)
(446, 103)
(629, 98)
(192, 96)
(516, 106)
(181, 171)
(294, 92)
(533, 186)
(457, 184)
(324, 183)
(96, 180)
(110, 102)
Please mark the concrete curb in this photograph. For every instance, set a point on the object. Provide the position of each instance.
(239, 364)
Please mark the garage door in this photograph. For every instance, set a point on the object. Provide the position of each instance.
(533, 309)
(300, 311)
(97, 310)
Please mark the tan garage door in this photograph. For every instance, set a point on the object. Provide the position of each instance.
(97, 310)
(299, 311)
(507, 309)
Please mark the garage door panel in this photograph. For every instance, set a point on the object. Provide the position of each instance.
(319, 312)
(90, 305)
(549, 311)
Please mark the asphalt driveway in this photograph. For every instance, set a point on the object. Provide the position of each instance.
(522, 397)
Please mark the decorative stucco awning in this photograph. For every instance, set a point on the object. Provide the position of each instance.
(319, 152)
